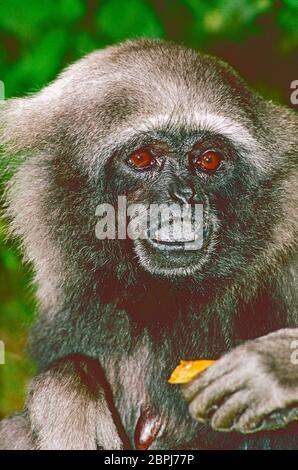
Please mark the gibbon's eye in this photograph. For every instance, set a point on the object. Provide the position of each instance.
(142, 159)
(209, 161)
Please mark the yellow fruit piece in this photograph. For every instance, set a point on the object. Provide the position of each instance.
(187, 370)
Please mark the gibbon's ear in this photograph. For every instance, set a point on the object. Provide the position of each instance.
(26, 129)
(44, 119)
(29, 123)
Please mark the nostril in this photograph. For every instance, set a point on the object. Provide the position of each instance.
(182, 195)
(188, 193)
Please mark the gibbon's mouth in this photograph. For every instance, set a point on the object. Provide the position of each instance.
(186, 243)
(171, 255)
(173, 258)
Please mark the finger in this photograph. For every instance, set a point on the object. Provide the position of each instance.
(250, 421)
(226, 415)
(209, 399)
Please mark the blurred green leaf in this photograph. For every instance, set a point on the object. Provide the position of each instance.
(26, 18)
(39, 65)
(127, 19)
(288, 20)
(84, 43)
(291, 3)
(13, 381)
(228, 17)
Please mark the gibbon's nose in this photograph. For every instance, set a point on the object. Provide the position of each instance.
(182, 193)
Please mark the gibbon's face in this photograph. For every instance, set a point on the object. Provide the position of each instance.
(188, 166)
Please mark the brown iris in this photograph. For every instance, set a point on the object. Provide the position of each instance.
(142, 159)
(209, 161)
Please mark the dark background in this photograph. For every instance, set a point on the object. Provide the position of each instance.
(39, 37)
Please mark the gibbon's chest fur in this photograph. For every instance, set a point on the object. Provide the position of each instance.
(152, 411)
(147, 405)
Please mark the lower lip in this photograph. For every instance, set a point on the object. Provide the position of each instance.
(173, 246)
(169, 246)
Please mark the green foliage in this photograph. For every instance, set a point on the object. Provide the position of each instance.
(26, 20)
(120, 20)
(229, 18)
(38, 38)
(16, 314)
(288, 21)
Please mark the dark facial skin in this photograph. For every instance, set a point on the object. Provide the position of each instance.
(175, 172)
(117, 316)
